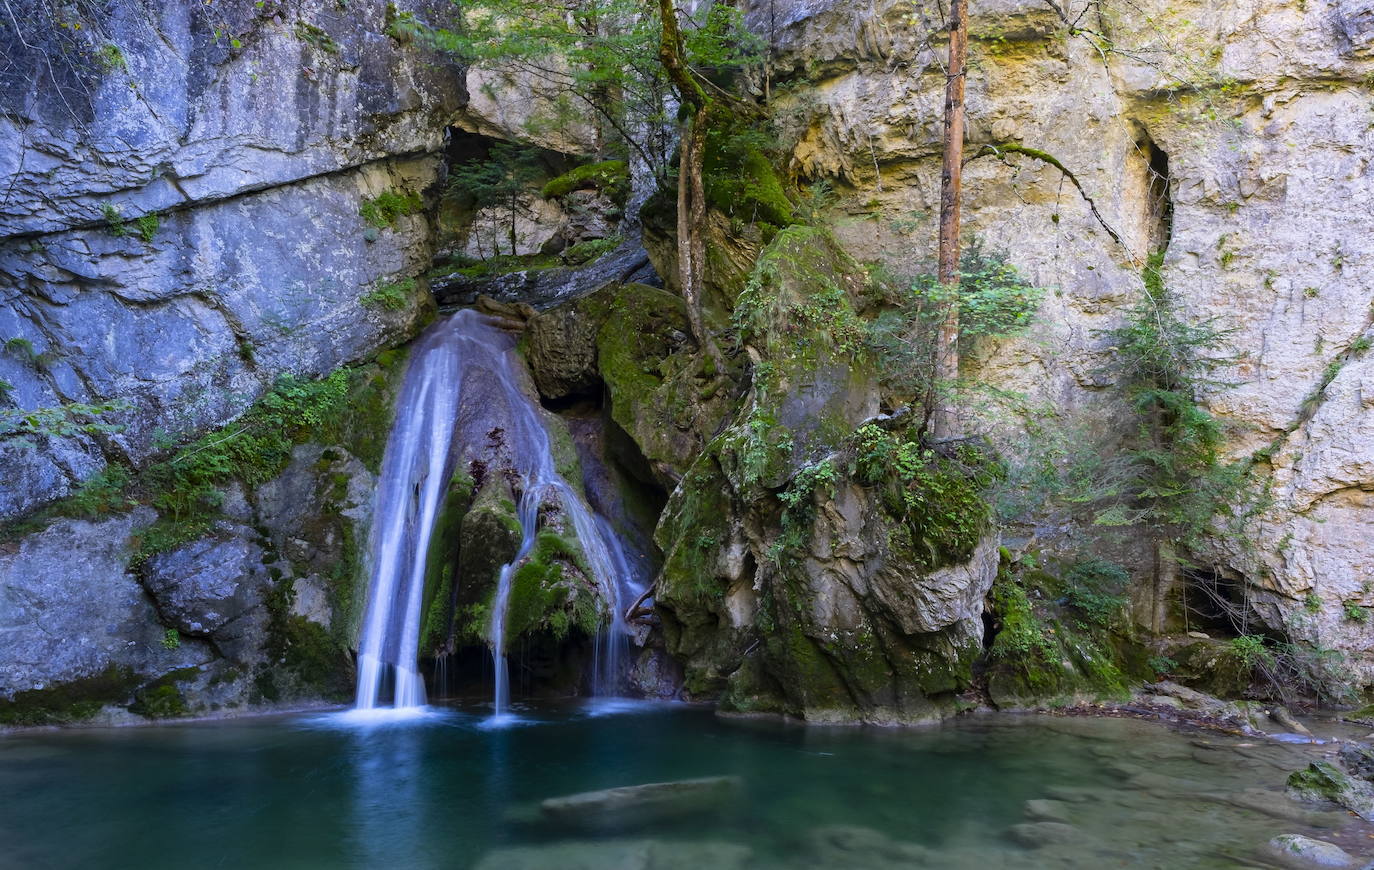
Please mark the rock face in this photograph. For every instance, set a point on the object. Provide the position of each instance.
(1243, 179)
(186, 214)
(199, 202)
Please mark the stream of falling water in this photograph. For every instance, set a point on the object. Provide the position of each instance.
(415, 474)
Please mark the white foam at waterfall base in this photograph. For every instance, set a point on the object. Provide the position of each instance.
(415, 474)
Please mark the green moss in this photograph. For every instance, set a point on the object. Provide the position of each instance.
(69, 702)
(611, 177)
(741, 180)
(382, 210)
(160, 701)
(441, 564)
(302, 649)
(1320, 781)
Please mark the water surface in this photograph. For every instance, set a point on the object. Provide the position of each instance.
(447, 791)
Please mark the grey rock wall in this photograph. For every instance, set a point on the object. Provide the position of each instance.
(255, 132)
(1262, 115)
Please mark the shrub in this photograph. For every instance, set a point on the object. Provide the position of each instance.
(382, 210)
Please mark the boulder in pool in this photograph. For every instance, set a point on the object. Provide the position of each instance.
(1299, 852)
(642, 804)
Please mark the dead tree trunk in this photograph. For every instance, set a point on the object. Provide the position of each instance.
(946, 413)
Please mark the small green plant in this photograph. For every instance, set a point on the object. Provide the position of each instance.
(147, 225)
(1312, 603)
(1360, 345)
(382, 210)
(1162, 665)
(391, 295)
(317, 37)
(114, 220)
(171, 639)
(1251, 651)
(111, 58)
(1096, 588)
(1356, 613)
(814, 201)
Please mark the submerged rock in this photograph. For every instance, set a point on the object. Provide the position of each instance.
(640, 804)
(619, 855)
(841, 847)
(1037, 835)
(1297, 851)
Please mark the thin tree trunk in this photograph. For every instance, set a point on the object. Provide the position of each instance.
(946, 412)
(691, 191)
(691, 220)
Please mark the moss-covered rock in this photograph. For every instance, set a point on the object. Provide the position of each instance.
(660, 389)
(1043, 655)
(489, 537)
(792, 582)
(611, 177)
(72, 701)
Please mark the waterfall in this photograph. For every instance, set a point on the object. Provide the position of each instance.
(418, 464)
(414, 479)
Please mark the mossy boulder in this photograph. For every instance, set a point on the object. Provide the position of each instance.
(791, 582)
(1043, 655)
(489, 537)
(1212, 666)
(1323, 781)
(661, 390)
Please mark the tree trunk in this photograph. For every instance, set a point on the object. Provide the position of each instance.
(691, 229)
(946, 374)
(691, 189)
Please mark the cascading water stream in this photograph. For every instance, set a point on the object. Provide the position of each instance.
(415, 474)
(414, 478)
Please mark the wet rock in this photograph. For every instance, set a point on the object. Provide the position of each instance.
(1040, 810)
(643, 804)
(1323, 781)
(1037, 835)
(619, 855)
(71, 610)
(562, 351)
(1297, 851)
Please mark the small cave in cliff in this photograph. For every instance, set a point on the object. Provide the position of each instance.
(1213, 603)
(1158, 218)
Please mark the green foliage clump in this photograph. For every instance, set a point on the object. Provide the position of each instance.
(60, 421)
(1096, 588)
(587, 251)
(316, 36)
(382, 210)
(253, 449)
(1251, 651)
(171, 639)
(110, 58)
(1356, 613)
(1176, 484)
(114, 220)
(390, 295)
(147, 225)
(995, 301)
(611, 177)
